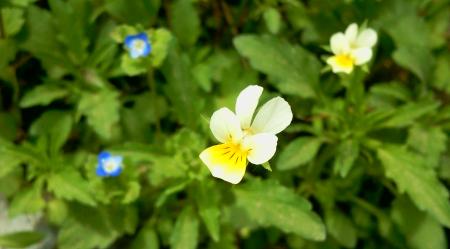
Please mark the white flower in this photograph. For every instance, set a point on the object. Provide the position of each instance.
(354, 47)
(243, 138)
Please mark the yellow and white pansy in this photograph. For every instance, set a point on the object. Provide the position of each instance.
(244, 138)
(354, 47)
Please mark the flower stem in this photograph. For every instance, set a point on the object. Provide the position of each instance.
(154, 96)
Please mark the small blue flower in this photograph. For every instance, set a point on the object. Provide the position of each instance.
(109, 165)
(138, 45)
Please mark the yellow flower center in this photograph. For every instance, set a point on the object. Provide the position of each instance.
(138, 45)
(230, 154)
(344, 60)
(110, 166)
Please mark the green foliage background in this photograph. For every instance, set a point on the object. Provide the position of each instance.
(365, 163)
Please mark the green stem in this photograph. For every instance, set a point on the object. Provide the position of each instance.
(154, 96)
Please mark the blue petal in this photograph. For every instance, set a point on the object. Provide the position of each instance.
(147, 49)
(129, 41)
(100, 171)
(143, 36)
(116, 172)
(103, 155)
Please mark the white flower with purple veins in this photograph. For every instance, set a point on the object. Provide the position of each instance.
(354, 47)
(244, 138)
(138, 45)
(109, 165)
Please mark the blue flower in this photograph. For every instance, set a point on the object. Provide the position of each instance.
(138, 45)
(109, 165)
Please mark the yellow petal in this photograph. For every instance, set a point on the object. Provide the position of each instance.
(226, 161)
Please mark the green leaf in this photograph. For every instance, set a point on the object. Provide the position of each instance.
(69, 185)
(406, 114)
(420, 230)
(27, 201)
(43, 95)
(102, 111)
(132, 66)
(429, 141)
(207, 198)
(20, 239)
(146, 238)
(299, 152)
(341, 228)
(441, 78)
(181, 88)
(54, 126)
(42, 37)
(134, 12)
(185, 232)
(161, 40)
(95, 229)
(185, 22)
(412, 53)
(8, 162)
(272, 18)
(133, 191)
(410, 174)
(13, 20)
(270, 204)
(347, 153)
(294, 70)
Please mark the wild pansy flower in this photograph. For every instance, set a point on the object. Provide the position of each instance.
(243, 138)
(138, 45)
(354, 47)
(109, 165)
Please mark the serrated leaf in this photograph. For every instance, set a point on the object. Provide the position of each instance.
(406, 114)
(181, 88)
(299, 152)
(8, 162)
(341, 228)
(27, 201)
(43, 95)
(410, 174)
(420, 230)
(54, 126)
(294, 70)
(347, 153)
(429, 141)
(412, 53)
(185, 232)
(270, 204)
(20, 239)
(69, 185)
(101, 110)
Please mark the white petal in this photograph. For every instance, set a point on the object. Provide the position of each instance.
(339, 43)
(367, 38)
(261, 147)
(337, 67)
(273, 117)
(362, 55)
(225, 126)
(246, 104)
(351, 33)
(221, 165)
